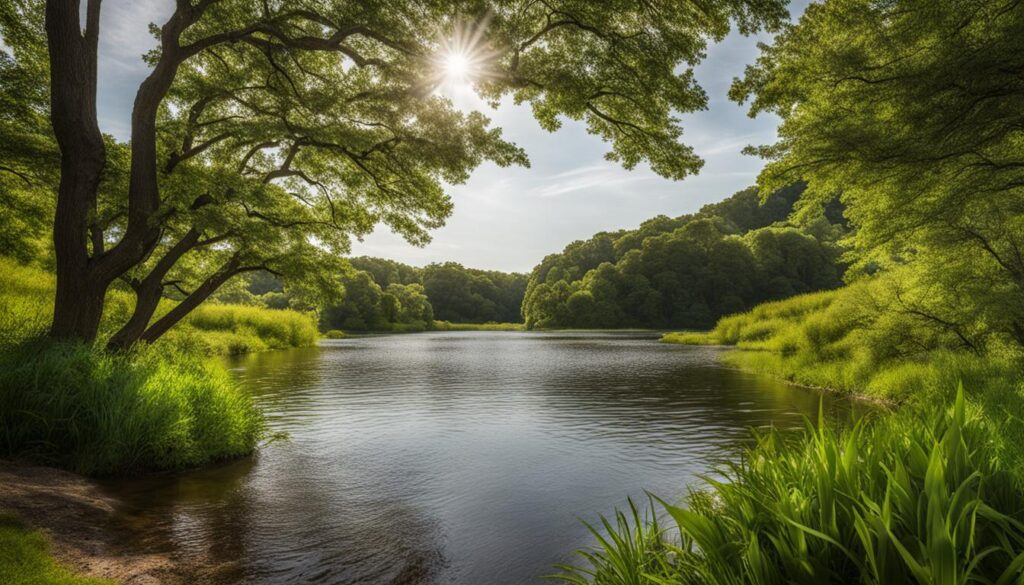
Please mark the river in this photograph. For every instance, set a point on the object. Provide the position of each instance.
(462, 458)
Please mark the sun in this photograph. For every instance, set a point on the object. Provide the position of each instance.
(462, 58)
(457, 66)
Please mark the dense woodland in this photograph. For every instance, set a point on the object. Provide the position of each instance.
(384, 295)
(688, 271)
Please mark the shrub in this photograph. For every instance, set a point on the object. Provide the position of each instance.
(93, 412)
(921, 496)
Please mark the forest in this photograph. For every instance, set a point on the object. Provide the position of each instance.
(876, 265)
(689, 271)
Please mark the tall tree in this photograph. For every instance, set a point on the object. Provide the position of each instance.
(270, 131)
(913, 111)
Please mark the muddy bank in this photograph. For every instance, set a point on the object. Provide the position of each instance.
(81, 519)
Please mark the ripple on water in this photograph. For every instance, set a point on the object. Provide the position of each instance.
(455, 458)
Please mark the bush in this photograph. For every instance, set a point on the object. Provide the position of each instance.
(97, 413)
(921, 496)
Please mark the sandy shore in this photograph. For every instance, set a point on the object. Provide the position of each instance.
(79, 517)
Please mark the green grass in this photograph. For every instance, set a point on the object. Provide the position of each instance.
(218, 329)
(838, 340)
(25, 559)
(75, 407)
(491, 326)
(922, 496)
(26, 298)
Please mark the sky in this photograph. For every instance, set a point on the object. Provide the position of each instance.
(510, 218)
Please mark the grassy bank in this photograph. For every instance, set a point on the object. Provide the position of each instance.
(26, 299)
(928, 491)
(840, 340)
(447, 326)
(155, 408)
(921, 496)
(75, 407)
(25, 559)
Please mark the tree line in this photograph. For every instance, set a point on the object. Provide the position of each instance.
(376, 294)
(688, 271)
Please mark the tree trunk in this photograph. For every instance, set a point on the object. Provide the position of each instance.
(78, 305)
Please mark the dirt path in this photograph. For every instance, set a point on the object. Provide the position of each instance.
(81, 522)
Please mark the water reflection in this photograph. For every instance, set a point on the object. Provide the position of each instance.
(454, 458)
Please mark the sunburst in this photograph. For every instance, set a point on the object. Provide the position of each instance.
(463, 57)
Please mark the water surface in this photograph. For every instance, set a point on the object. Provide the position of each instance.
(456, 458)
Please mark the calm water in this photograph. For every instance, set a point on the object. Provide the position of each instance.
(456, 458)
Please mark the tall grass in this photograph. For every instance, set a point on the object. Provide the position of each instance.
(216, 329)
(840, 340)
(923, 496)
(72, 406)
(159, 407)
(26, 306)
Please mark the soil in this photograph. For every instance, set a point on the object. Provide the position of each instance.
(82, 523)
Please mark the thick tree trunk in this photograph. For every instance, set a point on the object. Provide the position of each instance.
(78, 305)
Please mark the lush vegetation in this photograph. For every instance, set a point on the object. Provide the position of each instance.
(860, 339)
(688, 271)
(26, 294)
(909, 112)
(74, 406)
(923, 496)
(384, 295)
(25, 559)
(80, 407)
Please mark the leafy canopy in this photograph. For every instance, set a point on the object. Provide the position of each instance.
(913, 111)
(270, 132)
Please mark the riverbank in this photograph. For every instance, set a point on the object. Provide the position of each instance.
(897, 498)
(77, 519)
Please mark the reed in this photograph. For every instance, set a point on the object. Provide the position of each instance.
(920, 496)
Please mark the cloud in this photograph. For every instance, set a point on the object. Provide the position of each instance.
(590, 177)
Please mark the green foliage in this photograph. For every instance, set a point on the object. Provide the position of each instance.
(467, 295)
(384, 295)
(631, 551)
(214, 329)
(26, 305)
(73, 406)
(684, 272)
(922, 496)
(911, 111)
(268, 136)
(862, 339)
(447, 326)
(25, 559)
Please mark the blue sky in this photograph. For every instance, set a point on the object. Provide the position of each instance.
(508, 219)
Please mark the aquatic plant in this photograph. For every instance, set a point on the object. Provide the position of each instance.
(920, 496)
